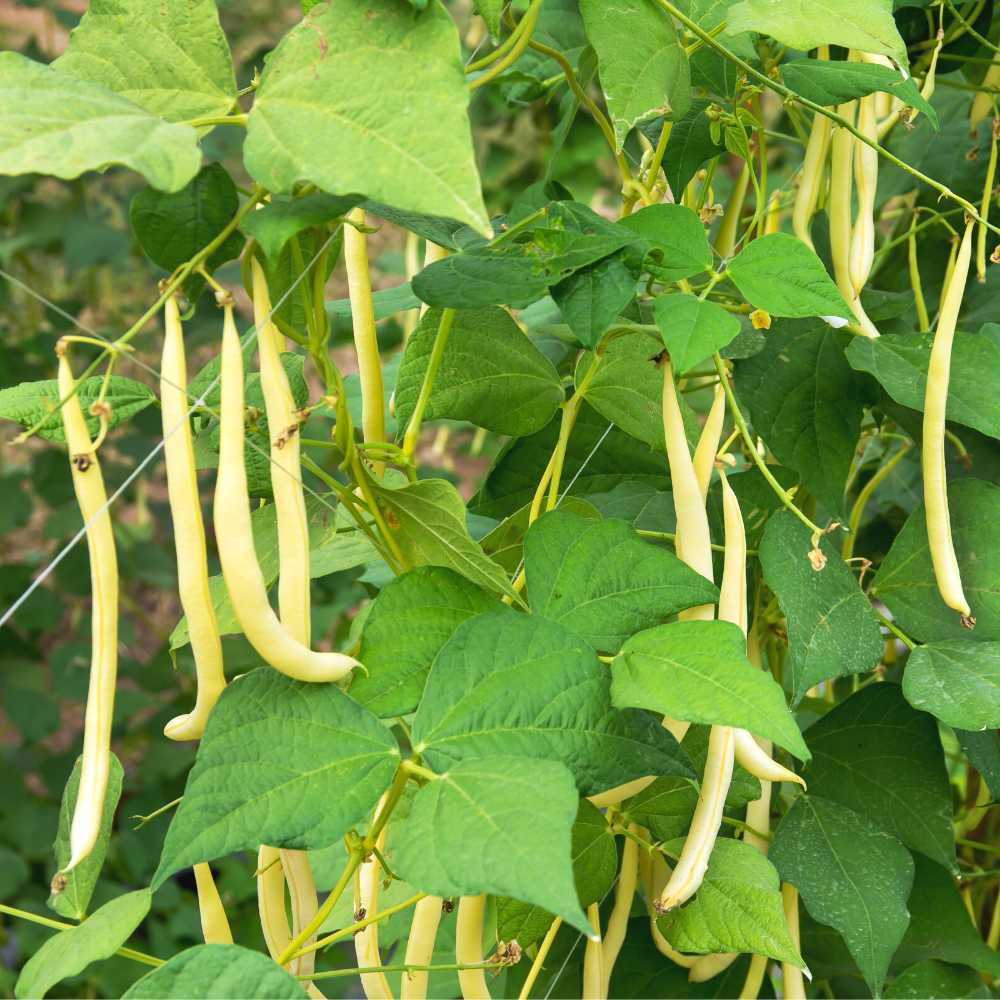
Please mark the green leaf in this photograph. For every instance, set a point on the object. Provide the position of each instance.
(940, 926)
(171, 58)
(905, 580)
(29, 402)
(438, 229)
(598, 458)
(282, 762)
(74, 898)
(410, 620)
(644, 71)
(600, 579)
(939, 980)
(70, 952)
(832, 629)
(483, 276)
(509, 683)
(172, 228)
(900, 364)
(852, 876)
(386, 302)
(673, 244)
(883, 759)
(627, 388)
(497, 825)
(664, 807)
(330, 109)
(866, 25)
(781, 275)
(831, 83)
(983, 750)
(737, 907)
(699, 671)
(490, 11)
(804, 401)
(595, 865)
(743, 787)
(958, 681)
(427, 520)
(592, 298)
(218, 972)
(490, 374)
(14, 874)
(691, 144)
(273, 225)
(52, 122)
(693, 329)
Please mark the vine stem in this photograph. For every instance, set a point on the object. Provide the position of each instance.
(880, 476)
(449, 967)
(524, 30)
(59, 925)
(896, 631)
(539, 961)
(734, 408)
(427, 386)
(791, 95)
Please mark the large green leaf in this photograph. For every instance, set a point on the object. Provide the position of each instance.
(900, 364)
(70, 952)
(275, 223)
(427, 520)
(940, 926)
(699, 671)
(410, 620)
(664, 807)
(600, 579)
(336, 106)
(595, 865)
(282, 762)
(185, 69)
(831, 83)
(484, 276)
(905, 580)
(866, 25)
(692, 143)
(737, 907)
(983, 750)
(172, 228)
(804, 401)
(644, 71)
(883, 759)
(781, 275)
(693, 329)
(218, 972)
(490, 374)
(832, 629)
(958, 681)
(29, 402)
(673, 243)
(498, 825)
(852, 876)
(599, 457)
(74, 897)
(938, 979)
(52, 122)
(509, 683)
(592, 298)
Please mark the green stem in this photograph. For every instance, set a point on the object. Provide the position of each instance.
(433, 364)
(524, 30)
(351, 929)
(854, 520)
(59, 925)
(449, 967)
(211, 120)
(734, 408)
(896, 631)
(791, 95)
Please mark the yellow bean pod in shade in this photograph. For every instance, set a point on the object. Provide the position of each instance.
(189, 532)
(420, 947)
(469, 947)
(942, 547)
(615, 932)
(708, 441)
(862, 253)
(653, 873)
(243, 577)
(593, 959)
(214, 924)
(366, 887)
(709, 966)
(794, 987)
(88, 484)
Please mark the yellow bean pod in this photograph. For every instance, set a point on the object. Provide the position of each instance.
(469, 947)
(366, 887)
(617, 927)
(189, 532)
(593, 959)
(240, 568)
(88, 484)
(214, 923)
(420, 947)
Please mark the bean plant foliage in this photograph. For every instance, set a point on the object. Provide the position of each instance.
(577, 569)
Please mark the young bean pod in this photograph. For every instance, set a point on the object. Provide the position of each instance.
(214, 924)
(189, 531)
(469, 947)
(234, 534)
(88, 484)
(593, 960)
(420, 947)
(366, 886)
(942, 548)
(614, 933)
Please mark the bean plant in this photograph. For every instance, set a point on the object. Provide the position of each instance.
(580, 434)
